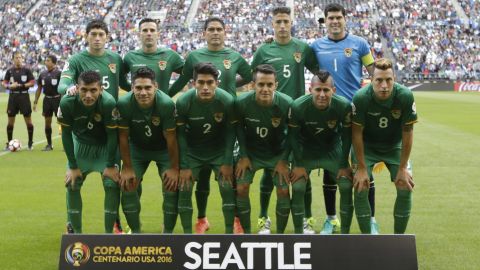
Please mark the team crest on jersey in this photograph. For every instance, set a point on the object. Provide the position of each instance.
(348, 52)
(156, 120)
(331, 123)
(276, 121)
(218, 117)
(116, 114)
(162, 65)
(24, 78)
(97, 117)
(297, 56)
(396, 113)
(113, 67)
(227, 64)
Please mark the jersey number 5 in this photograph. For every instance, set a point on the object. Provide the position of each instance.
(105, 83)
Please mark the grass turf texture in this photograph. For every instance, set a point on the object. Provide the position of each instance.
(444, 217)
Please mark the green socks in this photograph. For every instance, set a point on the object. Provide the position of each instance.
(346, 203)
(401, 210)
(362, 210)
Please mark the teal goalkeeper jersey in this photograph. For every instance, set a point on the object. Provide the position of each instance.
(289, 61)
(146, 126)
(163, 62)
(382, 121)
(262, 131)
(109, 65)
(228, 62)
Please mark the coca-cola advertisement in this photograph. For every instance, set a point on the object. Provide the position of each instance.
(467, 86)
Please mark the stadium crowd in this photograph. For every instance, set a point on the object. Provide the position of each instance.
(427, 38)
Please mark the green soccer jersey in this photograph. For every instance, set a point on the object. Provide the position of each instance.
(95, 125)
(289, 61)
(109, 65)
(382, 121)
(262, 131)
(146, 126)
(228, 62)
(205, 129)
(317, 131)
(163, 62)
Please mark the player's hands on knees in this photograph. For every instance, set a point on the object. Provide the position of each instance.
(345, 172)
(72, 176)
(404, 180)
(243, 165)
(112, 173)
(298, 173)
(283, 172)
(170, 179)
(226, 174)
(185, 180)
(128, 179)
(72, 90)
(361, 181)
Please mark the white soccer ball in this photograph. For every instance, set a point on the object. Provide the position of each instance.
(14, 145)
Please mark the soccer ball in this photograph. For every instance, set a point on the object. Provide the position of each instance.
(14, 145)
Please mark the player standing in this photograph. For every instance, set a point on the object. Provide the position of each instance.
(206, 136)
(383, 116)
(343, 55)
(18, 79)
(262, 136)
(147, 133)
(229, 63)
(48, 81)
(162, 61)
(89, 138)
(289, 56)
(320, 137)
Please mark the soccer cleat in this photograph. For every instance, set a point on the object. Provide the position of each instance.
(237, 226)
(69, 229)
(374, 227)
(30, 146)
(308, 225)
(202, 225)
(47, 147)
(6, 147)
(117, 227)
(330, 226)
(264, 225)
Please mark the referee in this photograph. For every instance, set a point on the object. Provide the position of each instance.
(18, 80)
(48, 80)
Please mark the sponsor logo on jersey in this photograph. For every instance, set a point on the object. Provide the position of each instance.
(97, 117)
(297, 56)
(218, 117)
(396, 113)
(374, 113)
(43, 82)
(77, 254)
(162, 64)
(116, 114)
(23, 78)
(156, 120)
(348, 52)
(54, 81)
(227, 64)
(332, 123)
(276, 121)
(113, 67)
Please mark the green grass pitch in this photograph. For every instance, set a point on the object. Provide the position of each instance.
(445, 208)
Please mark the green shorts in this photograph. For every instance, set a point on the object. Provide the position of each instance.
(213, 163)
(258, 164)
(141, 159)
(329, 161)
(92, 158)
(390, 157)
